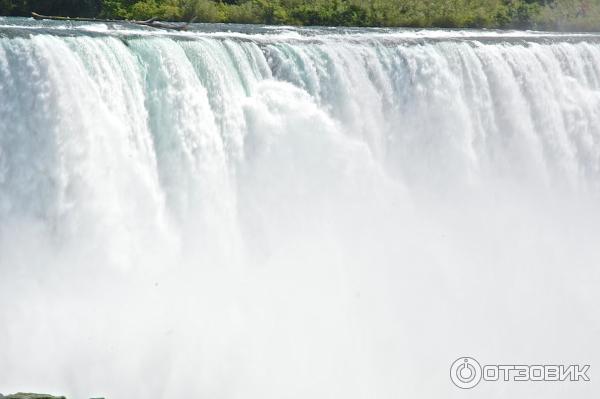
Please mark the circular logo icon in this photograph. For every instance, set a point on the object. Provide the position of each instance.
(465, 372)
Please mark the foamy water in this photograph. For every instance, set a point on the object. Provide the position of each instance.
(295, 213)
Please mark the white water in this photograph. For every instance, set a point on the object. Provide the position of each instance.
(284, 215)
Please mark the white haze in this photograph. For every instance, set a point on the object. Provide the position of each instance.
(223, 217)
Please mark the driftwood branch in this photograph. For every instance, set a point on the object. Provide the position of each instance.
(152, 23)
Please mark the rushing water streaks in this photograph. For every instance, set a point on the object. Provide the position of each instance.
(295, 213)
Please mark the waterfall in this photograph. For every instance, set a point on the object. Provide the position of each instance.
(294, 213)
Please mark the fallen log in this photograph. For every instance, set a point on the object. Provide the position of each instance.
(152, 23)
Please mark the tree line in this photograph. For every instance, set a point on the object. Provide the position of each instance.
(538, 14)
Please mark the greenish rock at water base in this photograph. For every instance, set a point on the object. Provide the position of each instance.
(22, 395)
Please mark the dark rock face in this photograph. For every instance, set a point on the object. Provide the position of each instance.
(22, 395)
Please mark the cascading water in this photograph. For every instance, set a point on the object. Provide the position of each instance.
(295, 213)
